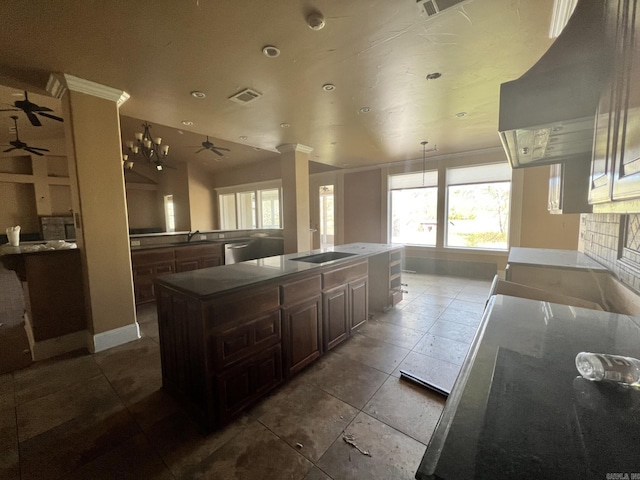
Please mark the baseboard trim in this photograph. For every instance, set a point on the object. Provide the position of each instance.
(113, 338)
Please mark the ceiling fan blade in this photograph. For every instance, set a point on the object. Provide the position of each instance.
(39, 148)
(52, 117)
(10, 109)
(9, 149)
(214, 150)
(38, 108)
(33, 119)
(30, 150)
(198, 151)
(222, 148)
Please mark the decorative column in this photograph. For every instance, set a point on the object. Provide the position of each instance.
(294, 164)
(94, 153)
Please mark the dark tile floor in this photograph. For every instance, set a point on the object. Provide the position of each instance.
(99, 416)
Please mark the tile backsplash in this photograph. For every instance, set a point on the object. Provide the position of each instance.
(602, 237)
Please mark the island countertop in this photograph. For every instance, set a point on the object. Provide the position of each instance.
(520, 409)
(211, 281)
(553, 258)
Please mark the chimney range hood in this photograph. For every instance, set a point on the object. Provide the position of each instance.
(548, 114)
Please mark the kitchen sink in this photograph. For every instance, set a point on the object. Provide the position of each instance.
(323, 257)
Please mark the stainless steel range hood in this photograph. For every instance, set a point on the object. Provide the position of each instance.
(547, 115)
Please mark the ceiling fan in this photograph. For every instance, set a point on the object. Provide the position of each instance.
(207, 145)
(18, 144)
(31, 109)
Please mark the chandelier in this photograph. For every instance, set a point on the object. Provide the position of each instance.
(147, 146)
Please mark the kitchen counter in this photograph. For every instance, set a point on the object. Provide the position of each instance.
(211, 281)
(545, 257)
(519, 408)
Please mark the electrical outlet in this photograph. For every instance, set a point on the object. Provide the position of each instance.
(221, 235)
(203, 237)
(135, 243)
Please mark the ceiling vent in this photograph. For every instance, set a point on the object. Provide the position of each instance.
(245, 96)
(434, 7)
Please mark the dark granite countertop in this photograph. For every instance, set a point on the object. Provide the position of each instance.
(546, 257)
(519, 408)
(201, 242)
(211, 281)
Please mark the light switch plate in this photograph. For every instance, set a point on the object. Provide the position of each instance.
(135, 243)
(203, 237)
(221, 235)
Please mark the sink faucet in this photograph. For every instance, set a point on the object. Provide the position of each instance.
(191, 234)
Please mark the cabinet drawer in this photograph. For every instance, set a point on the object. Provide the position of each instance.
(343, 275)
(294, 292)
(244, 305)
(198, 251)
(396, 297)
(148, 257)
(395, 256)
(242, 341)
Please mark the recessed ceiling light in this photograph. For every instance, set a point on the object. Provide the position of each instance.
(434, 75)
(285, 125)
(333, 144)
(256, 149)
(365, 109)
(271, 51)
(242, 137)
(197, 94)
(328, 87)
(17, 94)
(461, 114)
(188, 123)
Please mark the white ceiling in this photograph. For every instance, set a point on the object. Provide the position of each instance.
(376, 52)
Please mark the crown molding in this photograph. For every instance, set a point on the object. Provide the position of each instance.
(294, 147)
(59, 83)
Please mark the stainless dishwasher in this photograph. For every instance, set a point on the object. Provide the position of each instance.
(237, 252)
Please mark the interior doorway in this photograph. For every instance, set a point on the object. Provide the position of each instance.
(326, 210)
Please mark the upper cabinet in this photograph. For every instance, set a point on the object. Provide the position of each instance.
(568, 188)
(615, 170)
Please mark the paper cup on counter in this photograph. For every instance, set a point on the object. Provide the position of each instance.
(13, 234)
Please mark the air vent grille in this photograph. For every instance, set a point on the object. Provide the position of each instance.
(434, 7)
(245, 96)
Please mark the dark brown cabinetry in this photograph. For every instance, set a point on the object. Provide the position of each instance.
(615, 173)
(345, 301)
(302, 323)
(386, 291)
(149, 264)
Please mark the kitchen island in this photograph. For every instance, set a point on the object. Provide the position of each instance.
(230, 334)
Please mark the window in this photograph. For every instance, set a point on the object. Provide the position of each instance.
(478, 199)
(247, 208)
(414, 201)
(169, 213)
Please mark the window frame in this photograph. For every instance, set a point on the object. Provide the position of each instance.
(255, 189)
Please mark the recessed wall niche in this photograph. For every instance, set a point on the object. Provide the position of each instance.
(20, 165)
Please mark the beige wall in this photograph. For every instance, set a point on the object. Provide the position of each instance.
(142, 208)
(201, 199)
(363, 198)
(539, 228)
(18, 207)
(256, 172)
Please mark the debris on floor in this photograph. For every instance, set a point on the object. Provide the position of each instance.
(299, 445)
(349, 439)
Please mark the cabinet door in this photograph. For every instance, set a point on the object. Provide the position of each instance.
(187, 265)
(239, 386)
(335, 313)
(207, 262)
(626, 183)
(358, 302)
(302, 339)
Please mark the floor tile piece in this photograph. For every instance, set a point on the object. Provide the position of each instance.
(374, 353)
(460, 316)
(344, 378)
(150, 330)
(473, 307)
(453, 331)
(390, 333)
(394, 456)
(439, 347)
(132, 459)
(441, 373)
(183, 447)
(9, 459)
(430, 299)
(408, 408)
(473, 297)
(414, 321)
(147, 313)
(9, 464)
(49, 376)
(70, 445)
(316, 474)
(302, 414)
(7, 395)
(424, 309)
(90, 400)
(254, 454)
